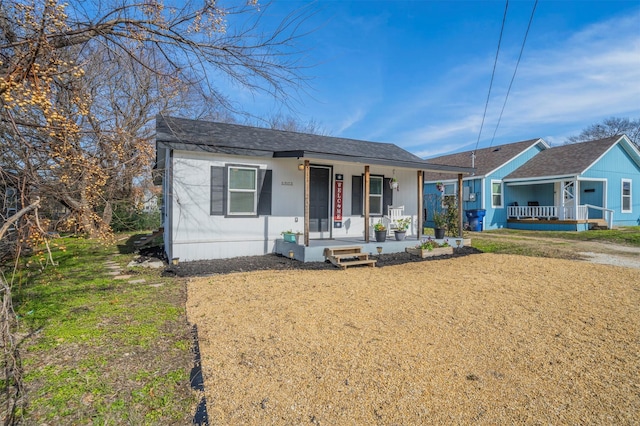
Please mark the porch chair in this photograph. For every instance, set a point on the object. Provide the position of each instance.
(393, 214)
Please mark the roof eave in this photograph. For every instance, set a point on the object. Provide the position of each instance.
(540, 179)
(416, 165)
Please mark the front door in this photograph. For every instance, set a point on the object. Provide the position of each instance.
(319, 201)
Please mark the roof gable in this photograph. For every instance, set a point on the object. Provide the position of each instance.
(564, 160)
(486, 159)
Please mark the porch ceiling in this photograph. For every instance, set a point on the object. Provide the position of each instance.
(361, 159)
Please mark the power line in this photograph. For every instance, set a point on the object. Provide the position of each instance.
(514, 71)
(493, 73)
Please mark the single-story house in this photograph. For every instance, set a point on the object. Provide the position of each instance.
(231, 190)
(530, 185)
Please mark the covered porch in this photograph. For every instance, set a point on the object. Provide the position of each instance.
(561, 204)
(314, 250)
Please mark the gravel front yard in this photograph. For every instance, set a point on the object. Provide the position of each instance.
(480, 339)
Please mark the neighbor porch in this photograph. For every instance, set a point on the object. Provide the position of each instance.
(558, 218)
(557, 205)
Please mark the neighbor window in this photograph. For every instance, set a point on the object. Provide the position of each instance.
(242, 194)
(626, 195)
(375, 195)
(449, 195)
(496, 193)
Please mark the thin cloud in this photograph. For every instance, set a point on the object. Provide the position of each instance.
(351, 120)
(593, 75)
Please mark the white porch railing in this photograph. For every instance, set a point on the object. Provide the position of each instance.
(607, 214)
(548, 212)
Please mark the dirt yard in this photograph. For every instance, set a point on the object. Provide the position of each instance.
(480, 339)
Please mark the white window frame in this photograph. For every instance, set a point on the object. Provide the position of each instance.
(449, 191)
(501, 205)
(231, 190)
(623, 196)
(380, 196)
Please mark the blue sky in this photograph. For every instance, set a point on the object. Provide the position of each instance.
(417, 73)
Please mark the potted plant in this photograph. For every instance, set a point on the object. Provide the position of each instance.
(440, 186)
(440, 223)
(401, 228)
(381, 231)
(393, 183)
(290, 236)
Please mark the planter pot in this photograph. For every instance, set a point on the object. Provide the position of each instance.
(290, 238)
(381, 236)
(441, 251)
(439, 233)
(400, 235)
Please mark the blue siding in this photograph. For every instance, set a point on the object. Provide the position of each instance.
(497, 217)
(614, 166)
(523, 194)
(432, 197)
(607, 173)
(591, 192)
(533, 226)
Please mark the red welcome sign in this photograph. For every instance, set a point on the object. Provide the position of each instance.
(337, 205)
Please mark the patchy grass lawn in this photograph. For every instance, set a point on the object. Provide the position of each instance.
(107, 351)
(627, 235)
(104, 350)
(562, 245)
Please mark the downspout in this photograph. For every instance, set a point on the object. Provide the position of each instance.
(460, 212)
(420, 194)
(168, 205)
(306, 202)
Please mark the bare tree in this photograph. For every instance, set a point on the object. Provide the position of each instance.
(81, 83)
(292, 124)
(610, 127)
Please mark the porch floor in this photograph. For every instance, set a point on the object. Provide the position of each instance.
(315, 251)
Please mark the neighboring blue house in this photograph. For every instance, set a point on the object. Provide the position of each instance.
(529, 185)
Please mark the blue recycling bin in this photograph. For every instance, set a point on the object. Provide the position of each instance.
(476, 217)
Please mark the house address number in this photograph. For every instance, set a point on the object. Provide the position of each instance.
(286, 183)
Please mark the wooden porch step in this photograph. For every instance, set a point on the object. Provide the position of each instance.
(597, 224)
(330, 251)
(345, 256)
(367, 262)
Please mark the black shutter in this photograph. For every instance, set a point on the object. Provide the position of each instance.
(356, 196)
(387, 195)
(264, 196)
(217, 190)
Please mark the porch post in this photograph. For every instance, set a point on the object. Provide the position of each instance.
(460, 213)
(420, 195)
(576, 194)
(561, 201)
(306, 202)
(366, 204)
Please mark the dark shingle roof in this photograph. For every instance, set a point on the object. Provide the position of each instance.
(565, 160)
(236, 139)
(487, 159)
